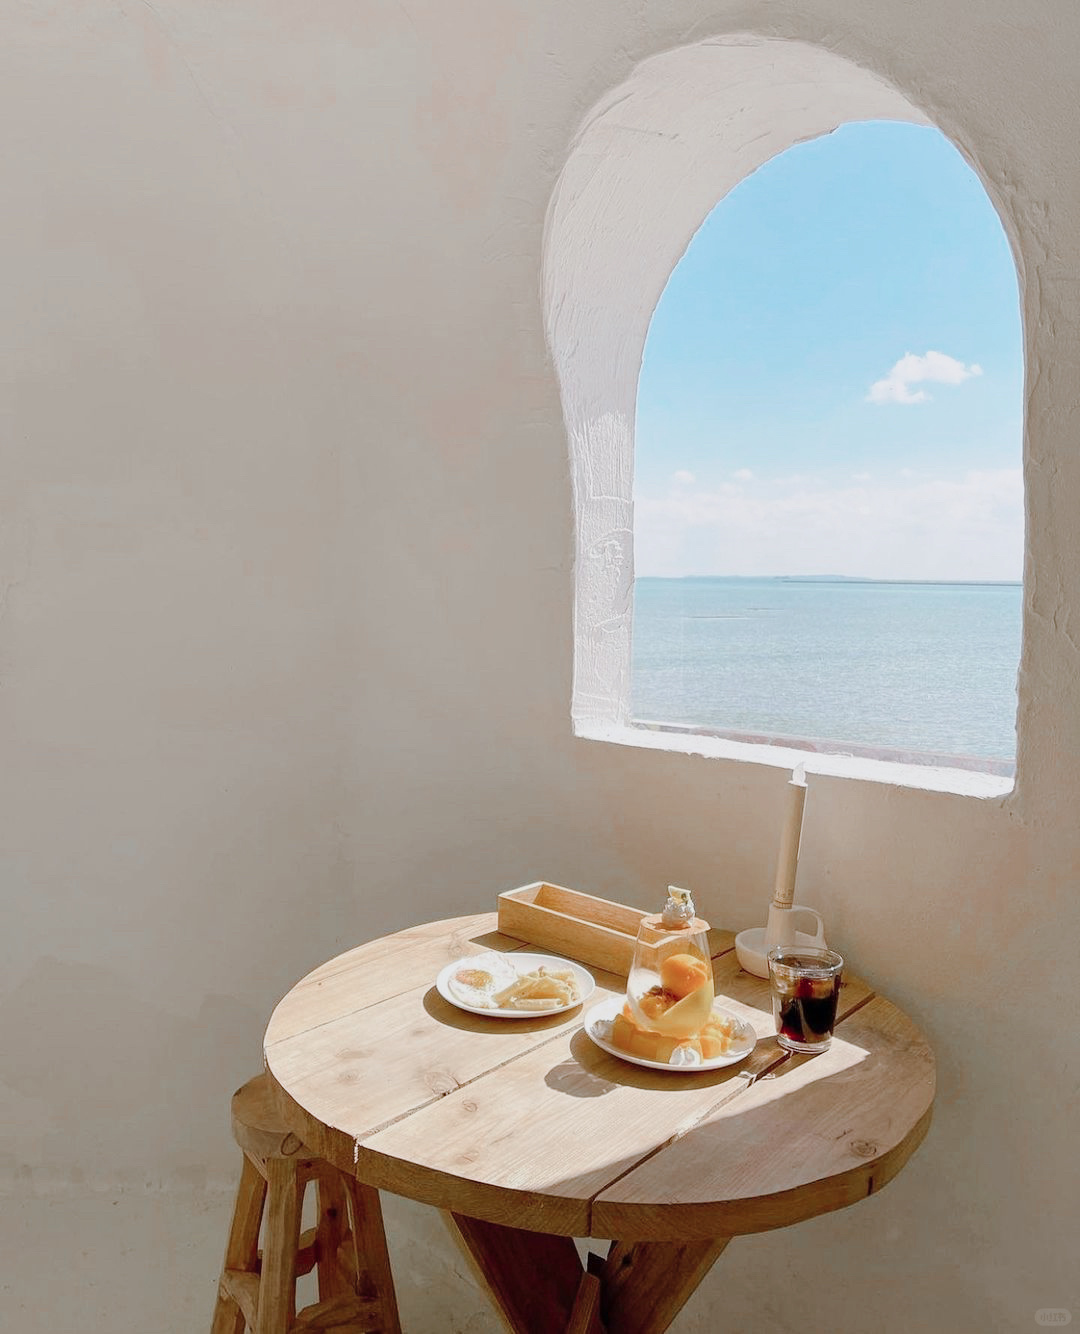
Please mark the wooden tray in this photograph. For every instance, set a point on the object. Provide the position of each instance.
(594, 931)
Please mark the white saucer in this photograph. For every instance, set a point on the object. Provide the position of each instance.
(750, 949)
(598, 1026)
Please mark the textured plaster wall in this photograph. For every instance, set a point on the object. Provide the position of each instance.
(286, 597)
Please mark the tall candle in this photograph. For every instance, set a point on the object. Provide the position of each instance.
(787, 861)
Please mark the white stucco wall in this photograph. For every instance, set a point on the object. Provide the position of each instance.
(286, 599)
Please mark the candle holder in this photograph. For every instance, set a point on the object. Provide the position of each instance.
(752, 946)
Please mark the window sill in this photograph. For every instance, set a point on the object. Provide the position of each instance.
(865, 767)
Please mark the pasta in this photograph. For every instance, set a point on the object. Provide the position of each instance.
(542, 989)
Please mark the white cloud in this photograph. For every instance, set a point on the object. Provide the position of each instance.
(911, 369)
(968, 526)
(742, 474)
(683, 478)
(861, 476)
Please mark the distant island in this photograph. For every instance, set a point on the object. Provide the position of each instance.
(865, 579)
(838, 579)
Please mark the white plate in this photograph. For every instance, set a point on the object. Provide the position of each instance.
(598, 1021)
(522, 963)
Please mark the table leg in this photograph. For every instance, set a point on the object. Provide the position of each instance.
(277, 1284)
(646, 1284)
(242, 1249)
(585, 1317)
(537, 1284)
(330, 1233)
(531, 1277)
(372, 1259)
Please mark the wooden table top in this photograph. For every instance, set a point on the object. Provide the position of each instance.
(526, 1122)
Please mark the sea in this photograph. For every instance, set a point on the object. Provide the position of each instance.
(920, 667)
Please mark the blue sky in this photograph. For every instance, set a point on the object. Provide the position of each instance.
(832, 381)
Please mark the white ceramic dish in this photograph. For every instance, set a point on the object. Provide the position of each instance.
(750, 948)
(522, 963)
(598, 1027)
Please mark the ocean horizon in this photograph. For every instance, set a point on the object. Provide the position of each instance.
(832, 579)
(921, 666)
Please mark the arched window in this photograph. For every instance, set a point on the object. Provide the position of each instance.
(645, 171)
(828, 501)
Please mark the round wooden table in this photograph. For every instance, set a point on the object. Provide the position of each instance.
(528, 1135)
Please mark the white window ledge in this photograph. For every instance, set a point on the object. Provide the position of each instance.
(864, 767)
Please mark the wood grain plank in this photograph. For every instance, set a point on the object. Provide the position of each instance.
(356, 1073)
(381, 969)
(820, 1132)
(533, 1145)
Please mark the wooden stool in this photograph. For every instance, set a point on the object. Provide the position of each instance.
(257, 1291)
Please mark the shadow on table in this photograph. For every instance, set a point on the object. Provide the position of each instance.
(468, 1022)
(774, 1097)
(593, 1072)
(488, 940)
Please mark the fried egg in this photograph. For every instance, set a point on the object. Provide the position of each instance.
(476, 981)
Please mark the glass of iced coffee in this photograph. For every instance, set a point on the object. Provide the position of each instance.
(805, 986)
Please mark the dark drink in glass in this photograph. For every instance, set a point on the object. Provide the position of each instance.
(805, 987)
